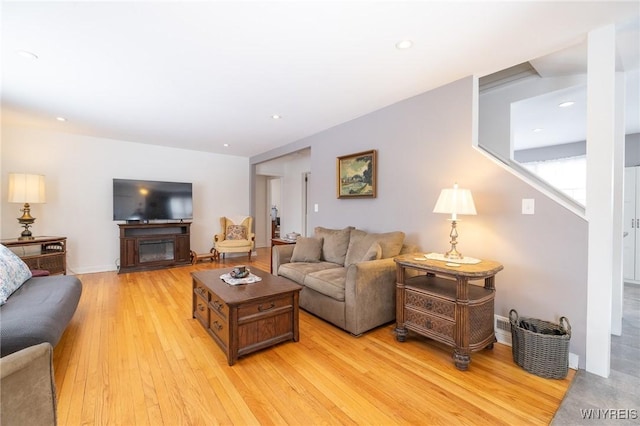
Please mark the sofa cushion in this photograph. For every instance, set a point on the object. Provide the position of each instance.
(296, 271)
(335, 243)
(307, 250)
(38, 311)
(13, 273)
(330, 282)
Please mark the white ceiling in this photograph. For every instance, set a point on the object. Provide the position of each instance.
(198, 75)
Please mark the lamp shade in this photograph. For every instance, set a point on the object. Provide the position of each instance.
(455, 201)
(26, 188)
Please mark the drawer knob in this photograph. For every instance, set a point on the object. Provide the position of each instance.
(200, 307)
(216, 325)
(216, 305)
(428, 324)
(428, 304)
(263, 308)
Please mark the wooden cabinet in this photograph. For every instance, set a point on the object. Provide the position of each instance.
(631, 225)
(47, 253)
(155, 245)
(246, 318)
(437, 301)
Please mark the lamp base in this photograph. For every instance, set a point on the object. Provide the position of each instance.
(26, 220)
(453, 253)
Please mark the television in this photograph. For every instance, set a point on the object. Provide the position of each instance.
(145, 200)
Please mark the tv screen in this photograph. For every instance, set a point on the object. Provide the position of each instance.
(151, 200)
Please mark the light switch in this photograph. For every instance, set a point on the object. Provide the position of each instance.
(315, 207)
(528, 206)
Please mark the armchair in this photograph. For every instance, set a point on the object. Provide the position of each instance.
(235, 237)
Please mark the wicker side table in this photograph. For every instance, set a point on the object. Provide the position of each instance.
(41, 253)
(441, 304)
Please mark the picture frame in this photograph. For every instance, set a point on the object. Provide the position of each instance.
(356, 175)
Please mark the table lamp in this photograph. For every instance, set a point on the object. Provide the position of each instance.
(454, 201)
(26, 188)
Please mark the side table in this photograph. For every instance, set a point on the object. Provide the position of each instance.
(441, 304)
(41, 253)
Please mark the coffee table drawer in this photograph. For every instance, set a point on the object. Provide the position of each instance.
(201, 312)
(265, 307)
(218, 306)
(220, 329)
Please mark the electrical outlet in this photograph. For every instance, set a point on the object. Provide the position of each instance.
(528, 206)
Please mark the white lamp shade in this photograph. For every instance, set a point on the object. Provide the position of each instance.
(455, 201)
(26, 188)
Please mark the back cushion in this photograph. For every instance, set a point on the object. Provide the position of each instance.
(13, 273)
(362, 242)
(335, 243)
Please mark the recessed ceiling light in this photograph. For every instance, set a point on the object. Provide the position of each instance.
(28, 55)
(226, 145)
(404, 44)
(566, 104)
(61, 119)
(276, 117)
(537, 130)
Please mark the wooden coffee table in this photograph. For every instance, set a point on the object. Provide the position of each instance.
(246, 318)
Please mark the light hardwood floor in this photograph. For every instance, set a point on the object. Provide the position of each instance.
(133, 355)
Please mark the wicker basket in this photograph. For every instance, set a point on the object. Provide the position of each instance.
(541, 347)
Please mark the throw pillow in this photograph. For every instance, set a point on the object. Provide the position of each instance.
(13, 273)
(236, 232)
(307, 250)
(335, 243)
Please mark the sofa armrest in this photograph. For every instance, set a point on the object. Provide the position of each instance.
(28, 387)
(281, 254)
(370, 294)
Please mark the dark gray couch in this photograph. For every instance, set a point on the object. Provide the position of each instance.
(39, 311)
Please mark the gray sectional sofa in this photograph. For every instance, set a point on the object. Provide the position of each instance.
(348, 275)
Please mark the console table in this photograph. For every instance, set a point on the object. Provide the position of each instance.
(146, 246)
(47, 253)
(441, 304)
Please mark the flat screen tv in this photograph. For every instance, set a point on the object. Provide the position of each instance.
(145, 200)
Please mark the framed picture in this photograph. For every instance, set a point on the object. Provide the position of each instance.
(356, 175)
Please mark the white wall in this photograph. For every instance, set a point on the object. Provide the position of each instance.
(79, 172)
(290, 169)
(425, 144)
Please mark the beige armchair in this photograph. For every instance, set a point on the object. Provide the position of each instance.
(235, 237)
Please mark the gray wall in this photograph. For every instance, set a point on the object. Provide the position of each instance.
(425, 144)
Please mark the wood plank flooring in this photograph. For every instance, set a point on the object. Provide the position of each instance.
(133, 355)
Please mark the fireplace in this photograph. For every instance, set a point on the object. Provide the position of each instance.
(156, 250)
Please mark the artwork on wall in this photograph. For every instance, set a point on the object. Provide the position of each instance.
(356, 175)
